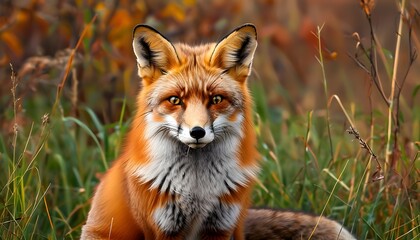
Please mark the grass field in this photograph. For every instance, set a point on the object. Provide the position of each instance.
(64, 118)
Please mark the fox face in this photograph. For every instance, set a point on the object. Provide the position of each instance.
(194, 95)
(196, 108)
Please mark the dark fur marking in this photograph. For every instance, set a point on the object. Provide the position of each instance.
(233, 182)
(230, 189)
(146, 51)
(178, 218)
(182, 165)
(243, 51)
(186, 170)
(168, 188)
(164, 179)
(213, 165)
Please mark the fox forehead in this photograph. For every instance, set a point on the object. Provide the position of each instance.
(192, 55)
(195, 74)
(195, 77)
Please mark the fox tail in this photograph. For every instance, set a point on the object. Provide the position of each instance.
(276, 224)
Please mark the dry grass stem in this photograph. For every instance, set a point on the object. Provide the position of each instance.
(371, 70)
(377, 175)
(69, 64)
(320, 60)
(391, 98)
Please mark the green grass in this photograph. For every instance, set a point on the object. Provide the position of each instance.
(51, 166)
(50, 175)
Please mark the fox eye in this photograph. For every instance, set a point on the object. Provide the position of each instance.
(216, 99)
(174, 100)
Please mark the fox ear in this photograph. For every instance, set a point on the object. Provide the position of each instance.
(153, 51)
(236, 50)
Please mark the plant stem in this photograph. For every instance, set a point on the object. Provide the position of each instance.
(393, 81)
(321, 62)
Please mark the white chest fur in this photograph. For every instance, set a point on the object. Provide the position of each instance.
(198, 177)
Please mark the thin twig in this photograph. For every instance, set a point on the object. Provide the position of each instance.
(377, 175)
(413, 57)
(373, 70)
(372, 57)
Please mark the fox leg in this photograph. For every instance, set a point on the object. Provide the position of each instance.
(225, 222)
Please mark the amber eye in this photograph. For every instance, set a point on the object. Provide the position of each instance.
(174, 100)
(216, 99)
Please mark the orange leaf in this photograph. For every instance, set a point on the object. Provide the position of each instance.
(175, 11)
(12, 42)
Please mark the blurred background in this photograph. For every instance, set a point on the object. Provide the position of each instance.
(88, 104)
(36, 35)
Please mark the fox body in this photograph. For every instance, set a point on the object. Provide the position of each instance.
(189, 163)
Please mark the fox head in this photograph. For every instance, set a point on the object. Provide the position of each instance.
(195, 95)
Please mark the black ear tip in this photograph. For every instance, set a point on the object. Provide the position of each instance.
(249, 26)
(138, 26)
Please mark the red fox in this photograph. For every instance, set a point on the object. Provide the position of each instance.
(190, 159)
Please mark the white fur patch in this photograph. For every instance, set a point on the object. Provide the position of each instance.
(210, 171)
(198, 176)
(185, 137)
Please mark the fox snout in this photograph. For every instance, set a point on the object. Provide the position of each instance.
(196, 136)
(196, 125)
(197, 132)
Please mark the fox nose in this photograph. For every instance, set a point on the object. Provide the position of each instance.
(197, 132)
